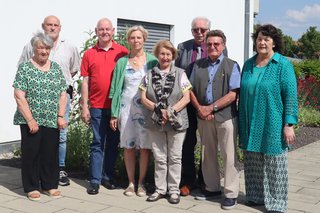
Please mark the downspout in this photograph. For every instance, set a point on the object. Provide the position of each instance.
(248, 29)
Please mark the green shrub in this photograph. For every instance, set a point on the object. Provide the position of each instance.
(309, 117)
(79, 139)
(307, 68)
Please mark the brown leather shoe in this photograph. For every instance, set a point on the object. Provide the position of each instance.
(185, 190)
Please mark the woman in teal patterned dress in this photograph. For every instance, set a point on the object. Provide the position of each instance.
(126, 108)
(268, 109)
(40, 93)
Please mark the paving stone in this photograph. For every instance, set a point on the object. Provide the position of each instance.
(6, 210)
(25, 205)
(304, 193)
(293, 188)
(76, 204)
(158, 208)
(5, 197)
(303, 198)
(304, 184)
(304, 177)
(302, 206)
(115, 210)
(311, 192)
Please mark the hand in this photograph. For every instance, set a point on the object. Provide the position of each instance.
(33, 126)
(204, 112)
(114, 124)
(85, 115)
(289, 135)
(209, 117)
(164, 116)
(62, 123)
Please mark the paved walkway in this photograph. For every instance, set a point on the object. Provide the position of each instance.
(304, 193)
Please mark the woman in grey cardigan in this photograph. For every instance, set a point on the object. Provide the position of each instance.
(165, 94)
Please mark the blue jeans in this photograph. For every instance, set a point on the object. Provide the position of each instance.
(63, 136)
(104, 147)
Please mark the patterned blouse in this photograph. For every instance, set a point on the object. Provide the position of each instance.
(42, 90)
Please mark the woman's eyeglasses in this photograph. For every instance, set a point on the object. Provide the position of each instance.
(201, 30)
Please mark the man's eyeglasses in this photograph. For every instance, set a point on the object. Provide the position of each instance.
(215, 44)
(201, 30)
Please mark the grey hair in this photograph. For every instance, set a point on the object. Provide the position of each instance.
(201, 18)
(217, 33)
(137, 28)
(41, 37)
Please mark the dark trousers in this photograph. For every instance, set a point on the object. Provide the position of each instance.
(39, 163)
(188, 161)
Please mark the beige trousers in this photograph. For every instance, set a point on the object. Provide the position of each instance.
(212, 134)
(167, 153)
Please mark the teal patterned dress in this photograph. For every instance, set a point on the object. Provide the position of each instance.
(42, 90)
(268, 101)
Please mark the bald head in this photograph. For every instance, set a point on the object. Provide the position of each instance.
(51, 26)
(51, 17)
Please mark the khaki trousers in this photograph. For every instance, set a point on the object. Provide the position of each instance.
(224, 134)
(167, 153)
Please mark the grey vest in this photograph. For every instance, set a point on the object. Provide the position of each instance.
(174, 97)
(220, 85)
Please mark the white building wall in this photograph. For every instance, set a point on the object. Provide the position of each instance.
(21, 18)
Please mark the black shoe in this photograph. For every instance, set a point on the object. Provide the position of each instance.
(93, 189)
(229, 203)
(251, 204)
(155, 196)
(205, 195)
(63, 178)
(109, 184)
(174, 198)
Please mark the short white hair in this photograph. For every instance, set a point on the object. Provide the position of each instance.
(201, 18)
(41, 37)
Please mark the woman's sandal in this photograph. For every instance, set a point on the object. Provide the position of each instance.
(34, 195)
(53, 193)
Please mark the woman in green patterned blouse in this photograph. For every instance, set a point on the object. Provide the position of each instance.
(40, 93)
(268, 109)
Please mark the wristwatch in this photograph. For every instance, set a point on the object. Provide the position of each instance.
(215, 108)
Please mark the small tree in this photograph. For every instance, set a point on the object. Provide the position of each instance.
(310, 43)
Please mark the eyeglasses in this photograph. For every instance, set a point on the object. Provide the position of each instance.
(215, 44)
(201, 30)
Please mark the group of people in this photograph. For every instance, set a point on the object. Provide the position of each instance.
(158, 103)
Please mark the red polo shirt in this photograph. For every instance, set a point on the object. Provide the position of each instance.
(98, 64)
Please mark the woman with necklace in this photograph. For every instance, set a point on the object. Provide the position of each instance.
(39, 90)
(268, 109)
(126, 108)
(165, 92)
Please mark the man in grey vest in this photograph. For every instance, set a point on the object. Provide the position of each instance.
(188, 52)
(216, 83)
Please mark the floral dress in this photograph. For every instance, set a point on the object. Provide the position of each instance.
(131, 118)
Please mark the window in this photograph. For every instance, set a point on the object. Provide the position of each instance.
(156, 31)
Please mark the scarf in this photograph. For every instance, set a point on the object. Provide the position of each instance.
(162, 93)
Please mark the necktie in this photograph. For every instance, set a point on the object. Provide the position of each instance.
(198, 53)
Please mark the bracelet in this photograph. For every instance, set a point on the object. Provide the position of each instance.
(60, 116)
(289, 125)
(30, 120)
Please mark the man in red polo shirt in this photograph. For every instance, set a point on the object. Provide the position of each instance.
(96, 68)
